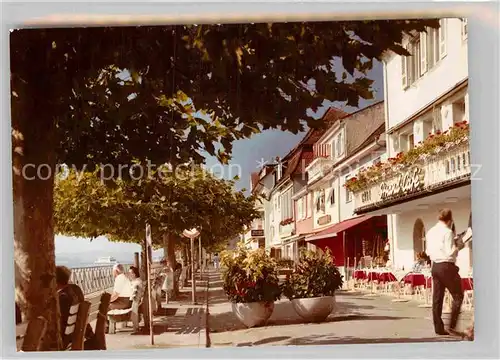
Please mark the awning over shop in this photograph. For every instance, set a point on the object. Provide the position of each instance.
(333, 230)
(297, 237)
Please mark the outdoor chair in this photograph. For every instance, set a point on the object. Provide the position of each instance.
(100, 326)
(76, 324)
(32, 338)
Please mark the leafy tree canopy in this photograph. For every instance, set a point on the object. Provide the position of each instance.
(171, 202)
(189, 87)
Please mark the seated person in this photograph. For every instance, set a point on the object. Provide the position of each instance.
(137, 284)
(122, 290)
(69, 295)
(422, 259)
(138, 289)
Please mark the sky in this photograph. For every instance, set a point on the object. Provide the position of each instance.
(247, 153)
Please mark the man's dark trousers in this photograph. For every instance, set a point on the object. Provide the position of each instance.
(445, 276)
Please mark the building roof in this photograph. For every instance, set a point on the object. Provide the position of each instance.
(363, 125)
(302, 153)
(254, 179)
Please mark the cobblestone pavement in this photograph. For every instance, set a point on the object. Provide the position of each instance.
(358, 319)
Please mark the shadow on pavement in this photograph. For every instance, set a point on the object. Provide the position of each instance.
(340, 340)
(265, 341)
(284, 314)
(331, 340)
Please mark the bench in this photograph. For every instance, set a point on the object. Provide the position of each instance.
(131, 314)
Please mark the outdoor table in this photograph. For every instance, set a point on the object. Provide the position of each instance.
(373, 276)
(359, 275)
(428, 282)
(415, 280)
(386, 277)
(467, 284)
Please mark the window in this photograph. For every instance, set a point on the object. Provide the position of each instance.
(411, 141)
(426, 50)
(286, 205)
(300, 209)
(437, 123)
(332, 197)
(464, 28)
(333, 149)
(348, 194)
(339, 145)
(320, 201)
(433, 52)
(414, 71)
(308, 207)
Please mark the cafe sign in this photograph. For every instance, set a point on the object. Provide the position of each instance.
(257, 233)
(324, 220)
(405, 183)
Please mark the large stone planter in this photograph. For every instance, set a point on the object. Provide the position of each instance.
(314, 309)
(253, 314)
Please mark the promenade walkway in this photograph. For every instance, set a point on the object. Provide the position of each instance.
(180, 324)
(358, 319)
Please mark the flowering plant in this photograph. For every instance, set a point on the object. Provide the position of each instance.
(314, 276)
(433, 145)
(249, 276)
(286, 221)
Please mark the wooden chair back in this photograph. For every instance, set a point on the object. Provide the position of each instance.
(76, 324)
(100, 326)
(34, 334)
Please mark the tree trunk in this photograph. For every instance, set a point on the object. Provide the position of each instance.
(188, 251)
(185, 262)
(184, 255)
(33, 156)
(169, 244)
(147, 292)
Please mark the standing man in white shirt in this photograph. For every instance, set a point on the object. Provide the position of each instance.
(122, 290)
(443, 248)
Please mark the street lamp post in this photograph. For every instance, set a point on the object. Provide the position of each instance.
(199, 256)
(192, 234)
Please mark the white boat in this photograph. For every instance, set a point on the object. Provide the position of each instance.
(105, 260)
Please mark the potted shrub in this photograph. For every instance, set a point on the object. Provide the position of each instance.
(311, 287)
(250, 280)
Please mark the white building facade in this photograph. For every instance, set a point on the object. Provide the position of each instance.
(355, 141)
(427, 116)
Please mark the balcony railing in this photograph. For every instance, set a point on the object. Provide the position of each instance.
(322, 151)
(286, 230)
(447, 167)
(322, 161)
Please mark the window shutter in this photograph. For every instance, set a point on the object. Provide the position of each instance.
(404, 71)
(442, 38)
(423, 53)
